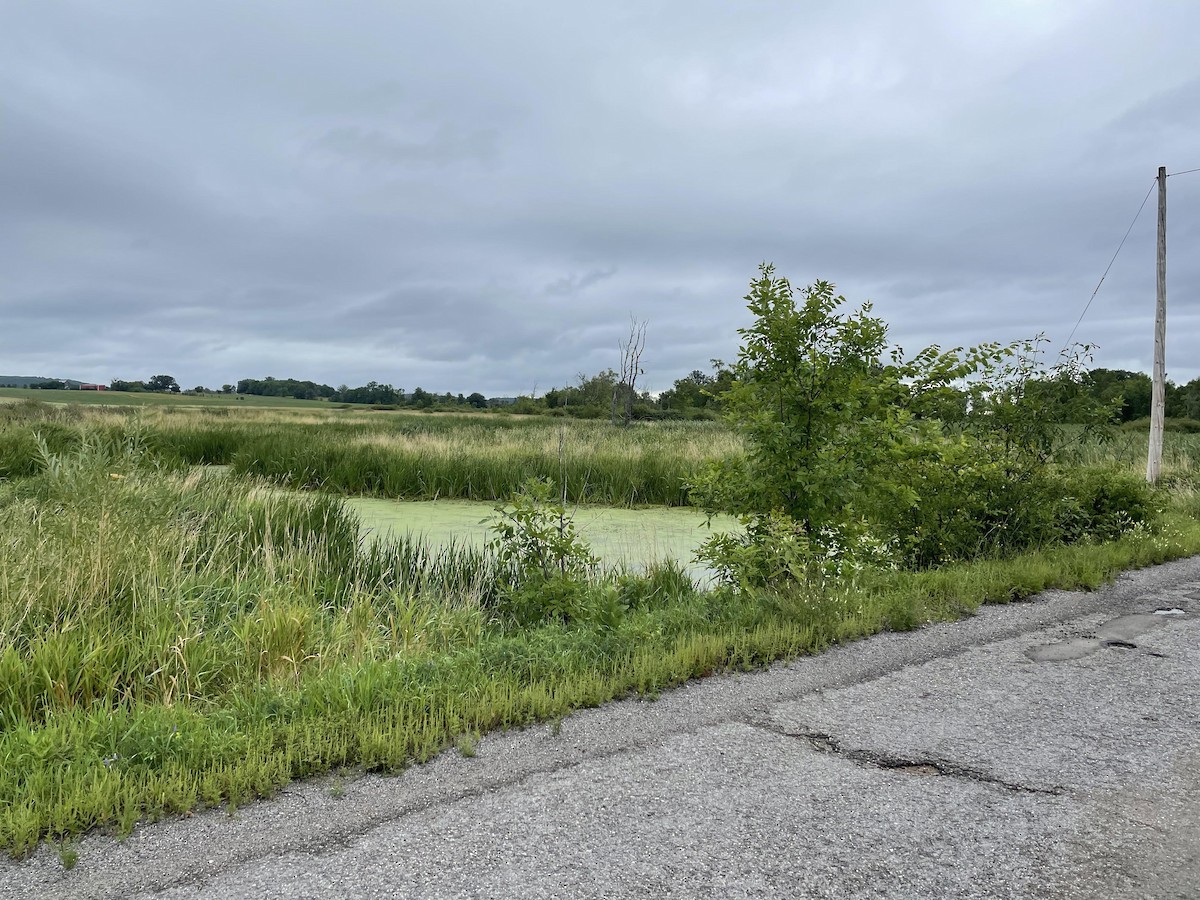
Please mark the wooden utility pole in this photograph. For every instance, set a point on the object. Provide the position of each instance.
(1158, 395)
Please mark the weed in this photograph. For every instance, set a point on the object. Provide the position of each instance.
(68, 856)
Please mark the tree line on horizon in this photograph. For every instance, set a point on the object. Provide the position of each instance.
(694, 396)
(697, 395)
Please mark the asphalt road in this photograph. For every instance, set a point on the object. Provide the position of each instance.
(1045, 749)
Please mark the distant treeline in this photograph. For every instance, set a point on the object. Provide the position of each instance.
(372, 393)
(286, 387)
(1134, 389)
(696, 395)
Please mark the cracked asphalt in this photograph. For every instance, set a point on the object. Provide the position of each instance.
(1042, 749)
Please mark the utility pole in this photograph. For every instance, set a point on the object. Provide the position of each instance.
(1158, 395)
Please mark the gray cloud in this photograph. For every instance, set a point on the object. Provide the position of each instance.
(444, 145)
(477, 197)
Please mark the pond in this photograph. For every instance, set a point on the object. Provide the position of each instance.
(620, 537)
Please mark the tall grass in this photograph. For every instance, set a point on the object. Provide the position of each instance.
(409, 456)
(148, 618)
(1127, 448)
(644, 466)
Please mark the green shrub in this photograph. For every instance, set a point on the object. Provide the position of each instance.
(973, 511)
(1103, 504)
(535, 539)
(663, 585)
(857, 455)
(971, 507)
(545, 567)
(562, 600)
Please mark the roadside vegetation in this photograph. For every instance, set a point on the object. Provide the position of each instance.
(174, 637)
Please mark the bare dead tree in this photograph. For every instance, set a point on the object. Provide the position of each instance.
(631, 368)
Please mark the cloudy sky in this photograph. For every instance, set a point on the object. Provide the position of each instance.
(478, 196)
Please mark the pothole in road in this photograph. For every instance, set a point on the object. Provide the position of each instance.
(1126, 628)
(1115, 634)
(1076, 648)
(1119, 645)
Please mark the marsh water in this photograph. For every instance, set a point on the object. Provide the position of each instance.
(633, 538)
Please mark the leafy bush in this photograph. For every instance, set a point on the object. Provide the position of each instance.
(833, 425)
(536, 539)
(775, 551)
(545, 565)
(857, 455)
(563, 600)
(1104, 504)
(977, 509)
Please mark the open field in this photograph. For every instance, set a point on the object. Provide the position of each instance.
(171, 637)
(122, 398)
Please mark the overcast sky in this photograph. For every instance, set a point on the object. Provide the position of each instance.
(478, 196)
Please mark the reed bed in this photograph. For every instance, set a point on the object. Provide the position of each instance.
(1127, 450)
(650, 465)
(409, 455)
(399, 455)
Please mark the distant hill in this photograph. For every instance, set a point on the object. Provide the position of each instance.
(24, 381)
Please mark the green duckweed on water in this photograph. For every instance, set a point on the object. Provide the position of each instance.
(633, 538)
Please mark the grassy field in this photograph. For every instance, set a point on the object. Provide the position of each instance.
(172, 638)
(121, 398)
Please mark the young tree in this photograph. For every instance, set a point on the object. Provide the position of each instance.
(831, 422)
(857, 454)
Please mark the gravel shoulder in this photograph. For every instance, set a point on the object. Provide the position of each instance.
(1042, 749)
